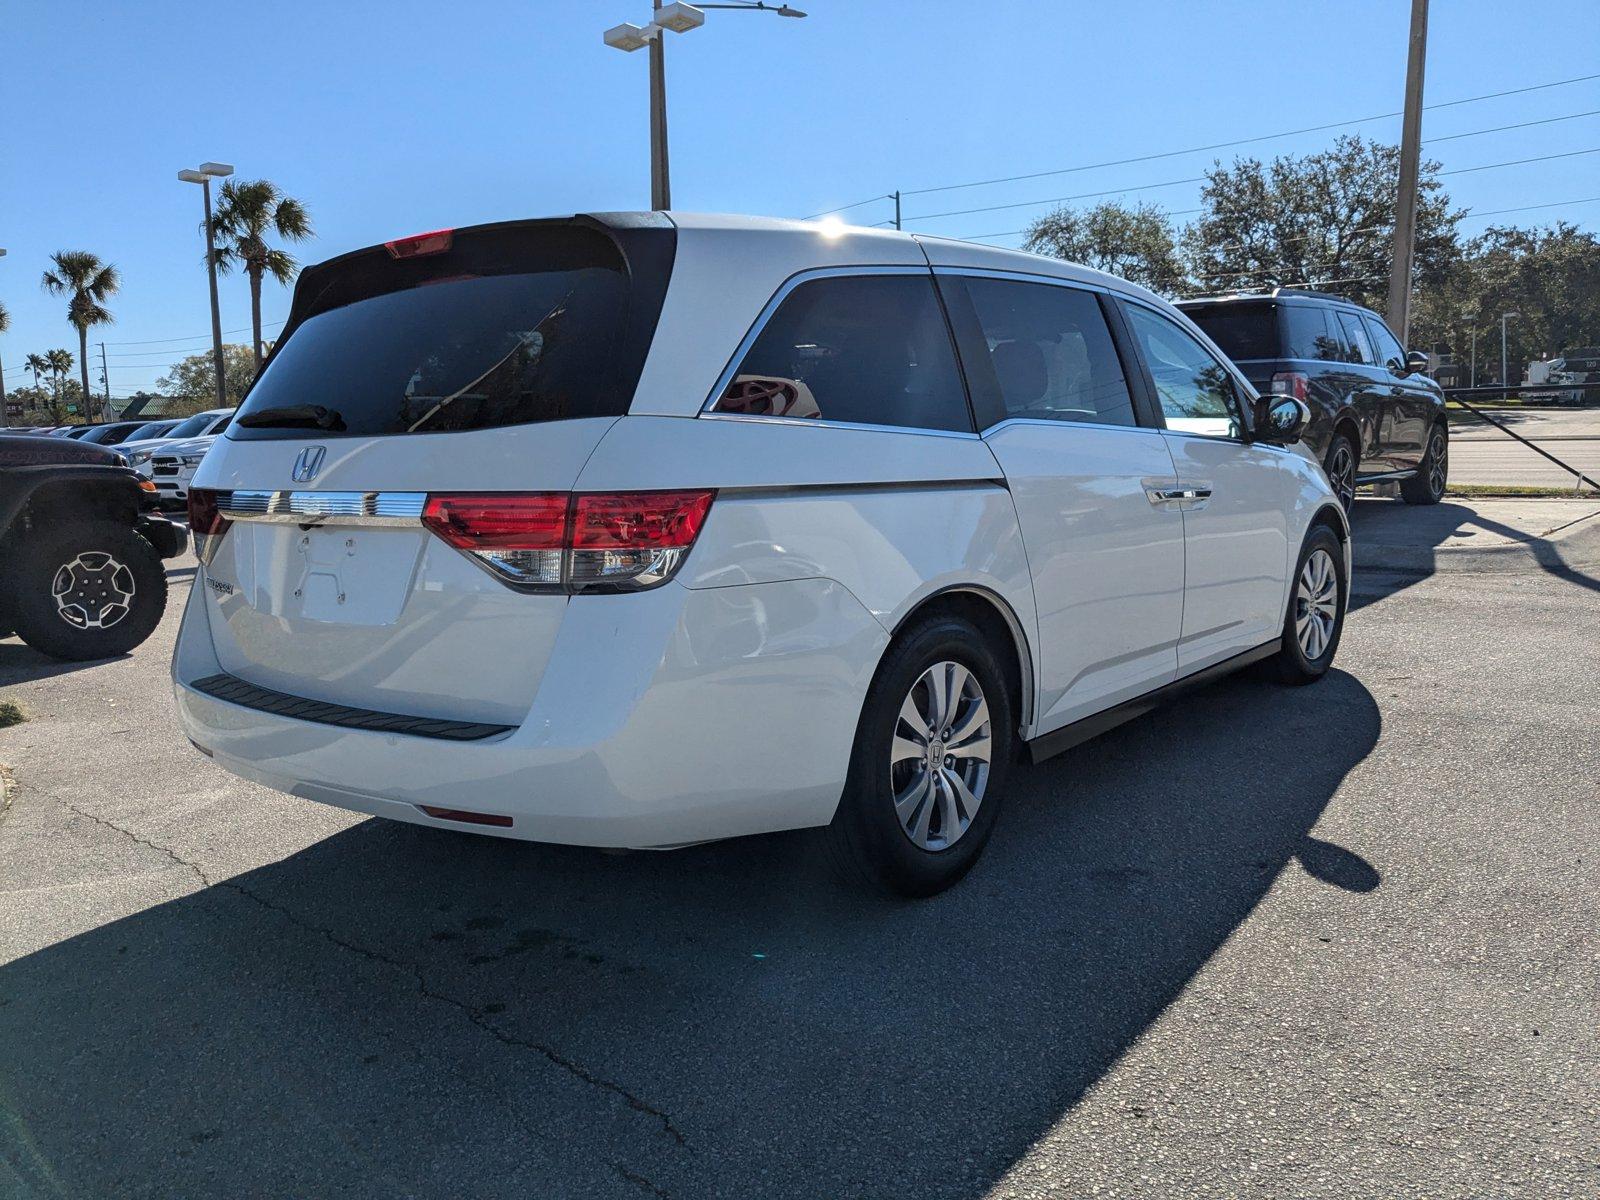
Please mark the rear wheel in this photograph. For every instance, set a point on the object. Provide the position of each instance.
(1428, 484)
(1340, 464)
(929, 766)
(89, 589)
(1315, 620)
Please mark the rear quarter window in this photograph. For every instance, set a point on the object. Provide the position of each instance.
(860, 349)
(1308, 334)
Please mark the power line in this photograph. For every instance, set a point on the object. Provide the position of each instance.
(1593, 112)
(197, 337)
(1517, 162)
(1266, 137)
(847, 207)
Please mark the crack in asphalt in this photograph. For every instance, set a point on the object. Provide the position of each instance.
(639, 1180)
(474, 1015)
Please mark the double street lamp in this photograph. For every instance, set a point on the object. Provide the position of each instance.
(679, 18)
(203, 176)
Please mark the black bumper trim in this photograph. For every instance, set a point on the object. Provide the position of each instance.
(247, 695)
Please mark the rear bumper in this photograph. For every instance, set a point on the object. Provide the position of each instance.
(662, 718)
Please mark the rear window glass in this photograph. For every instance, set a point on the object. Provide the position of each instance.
(1241, 331)
(505, 328)
(863, 349)
(1306, 333)
(193, 427)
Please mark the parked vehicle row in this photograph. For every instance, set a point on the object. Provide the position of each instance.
(638, 531)
(1375, 417)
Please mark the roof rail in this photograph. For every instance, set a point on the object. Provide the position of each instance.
(1274, 294)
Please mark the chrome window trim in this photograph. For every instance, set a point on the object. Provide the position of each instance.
(1030, 277)
(821, 423)
(778, 297)
(1064, 423)
(323, 508)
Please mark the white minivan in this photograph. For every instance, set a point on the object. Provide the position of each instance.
(641, 530)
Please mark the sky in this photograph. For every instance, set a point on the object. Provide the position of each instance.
(395, 117)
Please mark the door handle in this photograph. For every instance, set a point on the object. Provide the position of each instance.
(1194, 494)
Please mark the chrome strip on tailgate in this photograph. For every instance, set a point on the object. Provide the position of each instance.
(323, 508)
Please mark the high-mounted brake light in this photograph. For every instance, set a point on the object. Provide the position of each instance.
(420, 244)
(206, 522)
(556, 541)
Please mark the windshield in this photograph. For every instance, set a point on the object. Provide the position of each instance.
(153, 430)
(498, 331)
(193, 427)
(1241, 331)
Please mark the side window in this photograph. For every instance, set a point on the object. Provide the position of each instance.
(1355, 338)
(1052, 354)
(1388, 346)
(866, 349)
(1306, 334)
(1195, 390)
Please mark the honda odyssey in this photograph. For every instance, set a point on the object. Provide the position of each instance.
(641, 530)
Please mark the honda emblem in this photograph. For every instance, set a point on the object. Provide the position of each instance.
(307, 463)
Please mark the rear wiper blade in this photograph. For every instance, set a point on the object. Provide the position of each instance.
(293, 416)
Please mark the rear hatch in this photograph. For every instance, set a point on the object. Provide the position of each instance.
(1248, 331)
(484, 360)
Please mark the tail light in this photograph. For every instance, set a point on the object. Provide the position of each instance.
(420, 245)
(206, 522)
(1292, 383)
(555, 541)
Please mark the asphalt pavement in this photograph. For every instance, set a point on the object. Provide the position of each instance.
(1483, 455)
(1330, 941)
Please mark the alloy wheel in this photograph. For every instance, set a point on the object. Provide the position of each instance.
(939, 757)
(1316, 604)
(1342, 474)
(1438, 462)
(93, 591)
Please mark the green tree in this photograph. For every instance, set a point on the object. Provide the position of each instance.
(59, 363)
(87, 283)
(1136, 243)
(192, 383)
(246, 212)
(1322, 221)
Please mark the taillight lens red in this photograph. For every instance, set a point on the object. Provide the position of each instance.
(1291, 383)
(206, 522)
(548, 541)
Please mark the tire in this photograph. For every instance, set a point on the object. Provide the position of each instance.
(940, 834)
(1295, 663)
(1341, 463)
(1433, 475)
(89, 589)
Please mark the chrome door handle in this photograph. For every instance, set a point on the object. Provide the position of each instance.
(1176, 495)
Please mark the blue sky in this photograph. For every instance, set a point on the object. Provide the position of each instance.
(390, 118)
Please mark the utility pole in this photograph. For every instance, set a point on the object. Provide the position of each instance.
(1474, 376)
(4, 419)
(660, 181)
(105, 378)
(897, 208)
(1405, 207)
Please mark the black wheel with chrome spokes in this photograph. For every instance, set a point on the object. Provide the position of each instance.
(1340, 465)
(1427, 486)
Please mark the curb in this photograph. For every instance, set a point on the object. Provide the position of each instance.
(1573, 547)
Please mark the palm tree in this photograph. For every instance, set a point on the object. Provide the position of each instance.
(58, 362)
(246, 212)
(87, 283)
(37, 363)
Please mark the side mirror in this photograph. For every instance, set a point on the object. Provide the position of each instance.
(1284, 422)
(1416, 363)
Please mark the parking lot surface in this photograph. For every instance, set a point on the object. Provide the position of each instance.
(1328, 941)
(1483, 455)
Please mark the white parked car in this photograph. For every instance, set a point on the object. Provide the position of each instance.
(140, 454)
(172, 466)
(641, 530)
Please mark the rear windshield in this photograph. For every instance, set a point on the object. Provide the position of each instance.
(504, 328)
(193, 427)
(1241, 331)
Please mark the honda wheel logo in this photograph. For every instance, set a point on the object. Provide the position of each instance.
(307, 463)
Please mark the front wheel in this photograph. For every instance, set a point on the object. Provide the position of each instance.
(1428, 484)
(88, 589)
(929, 766)
(1315, 620)
(1340, 464)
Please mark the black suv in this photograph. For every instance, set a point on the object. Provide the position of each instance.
(1375, 416)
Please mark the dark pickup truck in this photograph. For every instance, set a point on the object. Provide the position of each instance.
(80, 549)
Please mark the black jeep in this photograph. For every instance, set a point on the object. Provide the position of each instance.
(1375, 417)
(80, 549)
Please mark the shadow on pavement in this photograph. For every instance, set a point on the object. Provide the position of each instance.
(21, 663)
(1413, 542)
(396, 1011)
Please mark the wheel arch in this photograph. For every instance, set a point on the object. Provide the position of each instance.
(998, 622)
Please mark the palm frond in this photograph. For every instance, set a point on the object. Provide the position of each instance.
(281, 265)
(5, 319)
(291, 220)
(53, 283)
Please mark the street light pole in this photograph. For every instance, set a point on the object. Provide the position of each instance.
(1474, 375)
(207, 172)
(679, 18)
(1504, 317)
(1405, 206)
(660, 175)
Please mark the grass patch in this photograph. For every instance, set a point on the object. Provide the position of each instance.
(1487, 491)
(11, 714)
